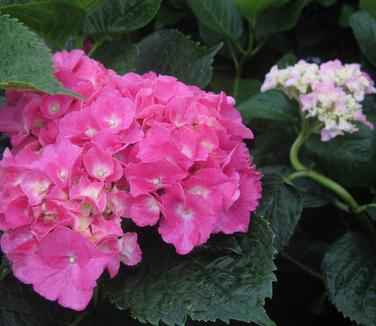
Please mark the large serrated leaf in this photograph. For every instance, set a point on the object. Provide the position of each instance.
(54, 20)
(272, 105)
(349, 270)
(118, 56)
(218, 15)
(25, 62)
(246, 87)
(169, 52)
(250, 9)
(281, 205)
(227, 279)
(280, 19)
(349, 159)
(364, 28)
(20, 306)
(120, 16)
(87, 5)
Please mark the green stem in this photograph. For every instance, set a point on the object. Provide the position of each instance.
(348, 201)
(97, 45)
(79, 42)
(303, 267)
(80, 318)
(337, 203)
(364, 207)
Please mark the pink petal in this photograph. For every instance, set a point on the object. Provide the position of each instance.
(147, 177)
(98, 163)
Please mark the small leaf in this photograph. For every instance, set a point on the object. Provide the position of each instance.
(251, 9)
(21, 306)
(271, 105)
(227, 279)
(288, 59)
(169, 52)
(120, 16)
(349, 270)
(281, 19)
(364, 28)
(281, 205)
(25, 62)
(218, 15)
(53, 20)
(117, 55)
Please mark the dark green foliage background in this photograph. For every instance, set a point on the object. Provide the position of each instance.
(220, 45)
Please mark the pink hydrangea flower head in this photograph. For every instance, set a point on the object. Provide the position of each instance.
(331, 93)
(143, 147)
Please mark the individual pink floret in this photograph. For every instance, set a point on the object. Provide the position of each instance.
(130, 252)
(187, 220)
(147, 177)
(65, 268)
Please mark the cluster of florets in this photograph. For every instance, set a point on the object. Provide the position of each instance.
(147, 148)
(331, 92)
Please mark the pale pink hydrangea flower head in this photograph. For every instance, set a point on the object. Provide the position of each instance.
(142, 147)
(331, 93)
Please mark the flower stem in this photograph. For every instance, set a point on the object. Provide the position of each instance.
(347, 199)
(79, 42)
(80, 318)
(97, 45)
(300, 265)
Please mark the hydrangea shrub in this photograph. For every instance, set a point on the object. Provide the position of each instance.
(128, 181)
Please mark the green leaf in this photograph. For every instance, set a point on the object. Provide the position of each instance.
(25, 62)
(246, 88)
(364, 28)
(251, 9)
(281, 19)
(344, 17)
(271, 105)
(326, 3)
(288, 59)
(281, 205)
(229, 278)
(21, 306)
(12, 2)
(167, 16)
(118, 56)
(313, 195)
(53, 20)
(349, 159)
(271, 137)
(369, 5)
(218, 15)
(87, 5)
(371, 212)
(120, 16)
(5, 268)
(169, 52)
(349, 270)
